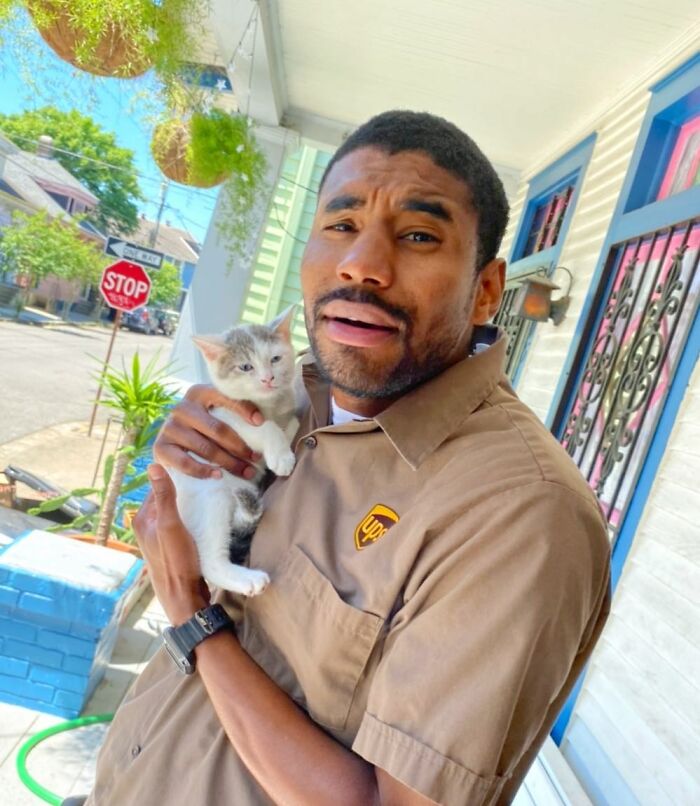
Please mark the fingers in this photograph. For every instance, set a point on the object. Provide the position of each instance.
(176, 440)
(209, 397)
(163, 491)
(190, 427)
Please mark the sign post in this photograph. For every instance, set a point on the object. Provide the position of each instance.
(124, 286)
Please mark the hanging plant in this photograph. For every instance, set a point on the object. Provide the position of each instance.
(121, 38)
(207, 147)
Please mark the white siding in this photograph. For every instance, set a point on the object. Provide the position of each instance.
(644, 679)
(634, 736)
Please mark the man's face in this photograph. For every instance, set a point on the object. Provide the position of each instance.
(389, 272)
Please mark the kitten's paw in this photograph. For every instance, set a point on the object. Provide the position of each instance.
(283, 463)
(254, 583)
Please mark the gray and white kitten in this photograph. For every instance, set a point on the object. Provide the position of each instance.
(255, 363)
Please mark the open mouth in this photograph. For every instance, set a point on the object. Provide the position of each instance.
(357, 324)
(360, 323)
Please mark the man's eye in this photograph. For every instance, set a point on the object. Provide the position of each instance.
(341, 226)
(420, 237)
(246, 367)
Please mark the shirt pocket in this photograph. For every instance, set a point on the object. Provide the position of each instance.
(313, 644)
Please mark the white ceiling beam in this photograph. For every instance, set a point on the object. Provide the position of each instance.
(247, 52)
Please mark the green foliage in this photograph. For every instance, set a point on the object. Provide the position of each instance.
(38, 246)
(162, 34)
(221, 147)
(141, 399)
(106, 169)
(167, 286)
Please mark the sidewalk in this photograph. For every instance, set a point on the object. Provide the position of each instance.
(63, 454)
(38, 316)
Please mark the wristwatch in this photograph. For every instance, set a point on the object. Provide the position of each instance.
(181, 641)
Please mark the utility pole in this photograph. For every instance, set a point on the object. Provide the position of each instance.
(154, 232)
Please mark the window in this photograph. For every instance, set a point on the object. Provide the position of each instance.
(683, 170)
(548, 210)
(547, 214)
(547, 218)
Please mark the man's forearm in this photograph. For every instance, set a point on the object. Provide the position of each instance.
(286, 752)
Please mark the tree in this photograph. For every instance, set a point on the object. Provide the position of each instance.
(166, 286)
(96, 160)
(37, 246)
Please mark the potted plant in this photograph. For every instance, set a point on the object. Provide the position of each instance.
(203, 146)
(141, 399)
(121, 38)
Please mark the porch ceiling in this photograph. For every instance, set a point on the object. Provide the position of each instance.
(518, 75)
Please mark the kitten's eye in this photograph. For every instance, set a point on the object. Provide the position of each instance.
(275, 359)
(246, 367)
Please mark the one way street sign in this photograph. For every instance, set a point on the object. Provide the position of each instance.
(132, 251)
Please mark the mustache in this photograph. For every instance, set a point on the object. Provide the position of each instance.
(364, 296)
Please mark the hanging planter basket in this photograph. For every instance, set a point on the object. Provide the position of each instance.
(173, 150)
(112, 53)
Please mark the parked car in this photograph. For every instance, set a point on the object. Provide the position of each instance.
(167, 320)
(143, 320)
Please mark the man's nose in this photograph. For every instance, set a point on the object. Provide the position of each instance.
(368, 260)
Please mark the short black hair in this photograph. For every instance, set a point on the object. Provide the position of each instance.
(450, 148)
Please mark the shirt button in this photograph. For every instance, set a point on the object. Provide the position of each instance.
(311, 442)
(135, 750)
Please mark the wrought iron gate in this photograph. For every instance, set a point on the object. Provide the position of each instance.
(631, 359)
(516, 328)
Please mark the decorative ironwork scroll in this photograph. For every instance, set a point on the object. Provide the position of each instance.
(629, 367)
(516, 328)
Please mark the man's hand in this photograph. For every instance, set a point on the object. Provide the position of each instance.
(169, 551)
(191, 427)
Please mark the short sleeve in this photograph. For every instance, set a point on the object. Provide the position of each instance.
(498, 616)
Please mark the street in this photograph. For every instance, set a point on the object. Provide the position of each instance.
(47, 374)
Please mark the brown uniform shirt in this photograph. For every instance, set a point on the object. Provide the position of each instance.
(439, 576)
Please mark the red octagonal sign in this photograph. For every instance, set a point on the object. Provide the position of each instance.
(125, 285)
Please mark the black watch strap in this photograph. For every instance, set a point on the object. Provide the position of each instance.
(180, 642)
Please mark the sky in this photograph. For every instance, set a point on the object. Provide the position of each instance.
(32, 76)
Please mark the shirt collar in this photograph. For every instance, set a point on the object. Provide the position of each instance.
(421, 420)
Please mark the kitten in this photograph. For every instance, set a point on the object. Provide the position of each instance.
(255, 363)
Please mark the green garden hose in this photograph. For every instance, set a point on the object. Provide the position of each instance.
(24, 751)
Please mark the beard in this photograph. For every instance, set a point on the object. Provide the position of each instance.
(353, 370)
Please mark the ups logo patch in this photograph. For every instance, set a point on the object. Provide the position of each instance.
(374, 525)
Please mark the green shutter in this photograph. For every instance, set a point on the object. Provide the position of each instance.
(275, 282)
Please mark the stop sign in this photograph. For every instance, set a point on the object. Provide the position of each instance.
(125, 285)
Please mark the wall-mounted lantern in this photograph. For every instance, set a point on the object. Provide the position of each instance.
(534, 300)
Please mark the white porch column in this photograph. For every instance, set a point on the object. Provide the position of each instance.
(216, 295)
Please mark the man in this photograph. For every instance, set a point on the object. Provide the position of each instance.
(439, 567)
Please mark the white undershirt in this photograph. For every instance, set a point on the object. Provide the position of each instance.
(341, 416)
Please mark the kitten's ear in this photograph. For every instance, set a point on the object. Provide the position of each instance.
(212, 347)
(283, 323)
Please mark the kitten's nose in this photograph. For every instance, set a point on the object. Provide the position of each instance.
(267, 381)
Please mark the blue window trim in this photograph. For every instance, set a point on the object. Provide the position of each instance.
(568, 169)
(670, 95)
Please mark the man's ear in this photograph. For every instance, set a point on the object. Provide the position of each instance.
(283, 323)
(212, 347)
(490, 284)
